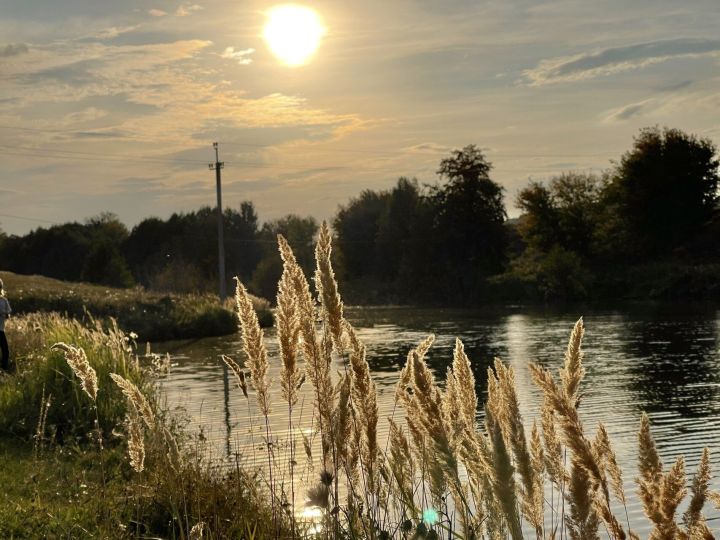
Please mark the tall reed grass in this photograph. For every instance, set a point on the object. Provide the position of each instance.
(441, 474)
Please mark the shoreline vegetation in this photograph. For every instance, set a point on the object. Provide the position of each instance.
(89, 450)
(644, 228)
(151, 316)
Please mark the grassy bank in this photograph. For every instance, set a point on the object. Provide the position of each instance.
(62, 477)
(152, 316)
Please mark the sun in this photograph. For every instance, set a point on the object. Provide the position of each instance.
(293, 33)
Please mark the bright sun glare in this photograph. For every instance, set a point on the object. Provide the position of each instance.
(293, 33)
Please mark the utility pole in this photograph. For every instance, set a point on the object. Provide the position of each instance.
(217, 167)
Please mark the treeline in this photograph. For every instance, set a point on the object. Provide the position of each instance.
(174, 255)
(646, 227)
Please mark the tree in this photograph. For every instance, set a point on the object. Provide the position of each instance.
(300, 233)
(664, 189)
(565, 214)
(356, 227)
(156, 249)
(106, 266)
(469, 232)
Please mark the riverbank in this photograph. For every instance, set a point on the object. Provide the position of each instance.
(83, 457)
(152, 316)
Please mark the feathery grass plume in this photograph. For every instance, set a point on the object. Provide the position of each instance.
(325, 395)
(136, 440)
(365, 401)
(494, 401)
(607, 456)
(342, 419)
(693, 517)
(511, 423)
(237, 372)
(305, 304)
(503, 479)
(672, 494)
(584, 456)
(326, 286)
(317, 352)
(537, 460)
(553, 447)
(78, 362)
(464, 380)
(406, 376)
(254, 346)
(574, 439)
(650, 481)
(288, 332)
(136, 399)
(583, 522)
(198, 531)
(401, 463)
(573, 372)
(425, 415)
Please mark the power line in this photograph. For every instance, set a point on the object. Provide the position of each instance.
(334, 149)
(50, 153)
(29, 219)
(109, 158)
(58, 150)
(413, 153)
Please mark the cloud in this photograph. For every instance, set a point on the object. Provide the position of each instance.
(157, 12)
(617, 59)
(242, 56)
(187, 9)
(428, 148)
(13, 49)
(85, 115)
(627, 111)
(114, 31)
(673, 87)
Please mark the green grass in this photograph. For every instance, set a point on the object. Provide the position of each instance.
(40, 372)
(53, 487)
(152, 316)
(57, 496)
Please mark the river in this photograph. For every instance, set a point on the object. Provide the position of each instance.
(663, 359)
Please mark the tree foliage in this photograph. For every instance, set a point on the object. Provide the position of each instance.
(664, 189)
(431, 244)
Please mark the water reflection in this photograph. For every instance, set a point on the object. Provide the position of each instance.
(662, 359)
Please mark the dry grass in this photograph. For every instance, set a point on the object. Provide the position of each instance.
(442, 474)
(475, 481)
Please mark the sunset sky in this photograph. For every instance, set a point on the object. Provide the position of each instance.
(114, 105)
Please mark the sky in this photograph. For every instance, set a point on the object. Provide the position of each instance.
(112, 105)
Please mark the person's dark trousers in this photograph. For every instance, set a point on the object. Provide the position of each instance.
(5, 352)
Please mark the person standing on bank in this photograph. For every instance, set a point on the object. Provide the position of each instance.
(4, 314)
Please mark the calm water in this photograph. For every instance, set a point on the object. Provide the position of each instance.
(664, 360)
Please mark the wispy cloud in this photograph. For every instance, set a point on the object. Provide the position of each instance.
(13, 49)
(187, 9)
(428, 148)
(628, 111)
(242, 56)
(114, 31)
(617, 59)
(157, 12)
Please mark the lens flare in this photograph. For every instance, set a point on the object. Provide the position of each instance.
(430, 516)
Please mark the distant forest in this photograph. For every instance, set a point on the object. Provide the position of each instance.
(648, 227)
